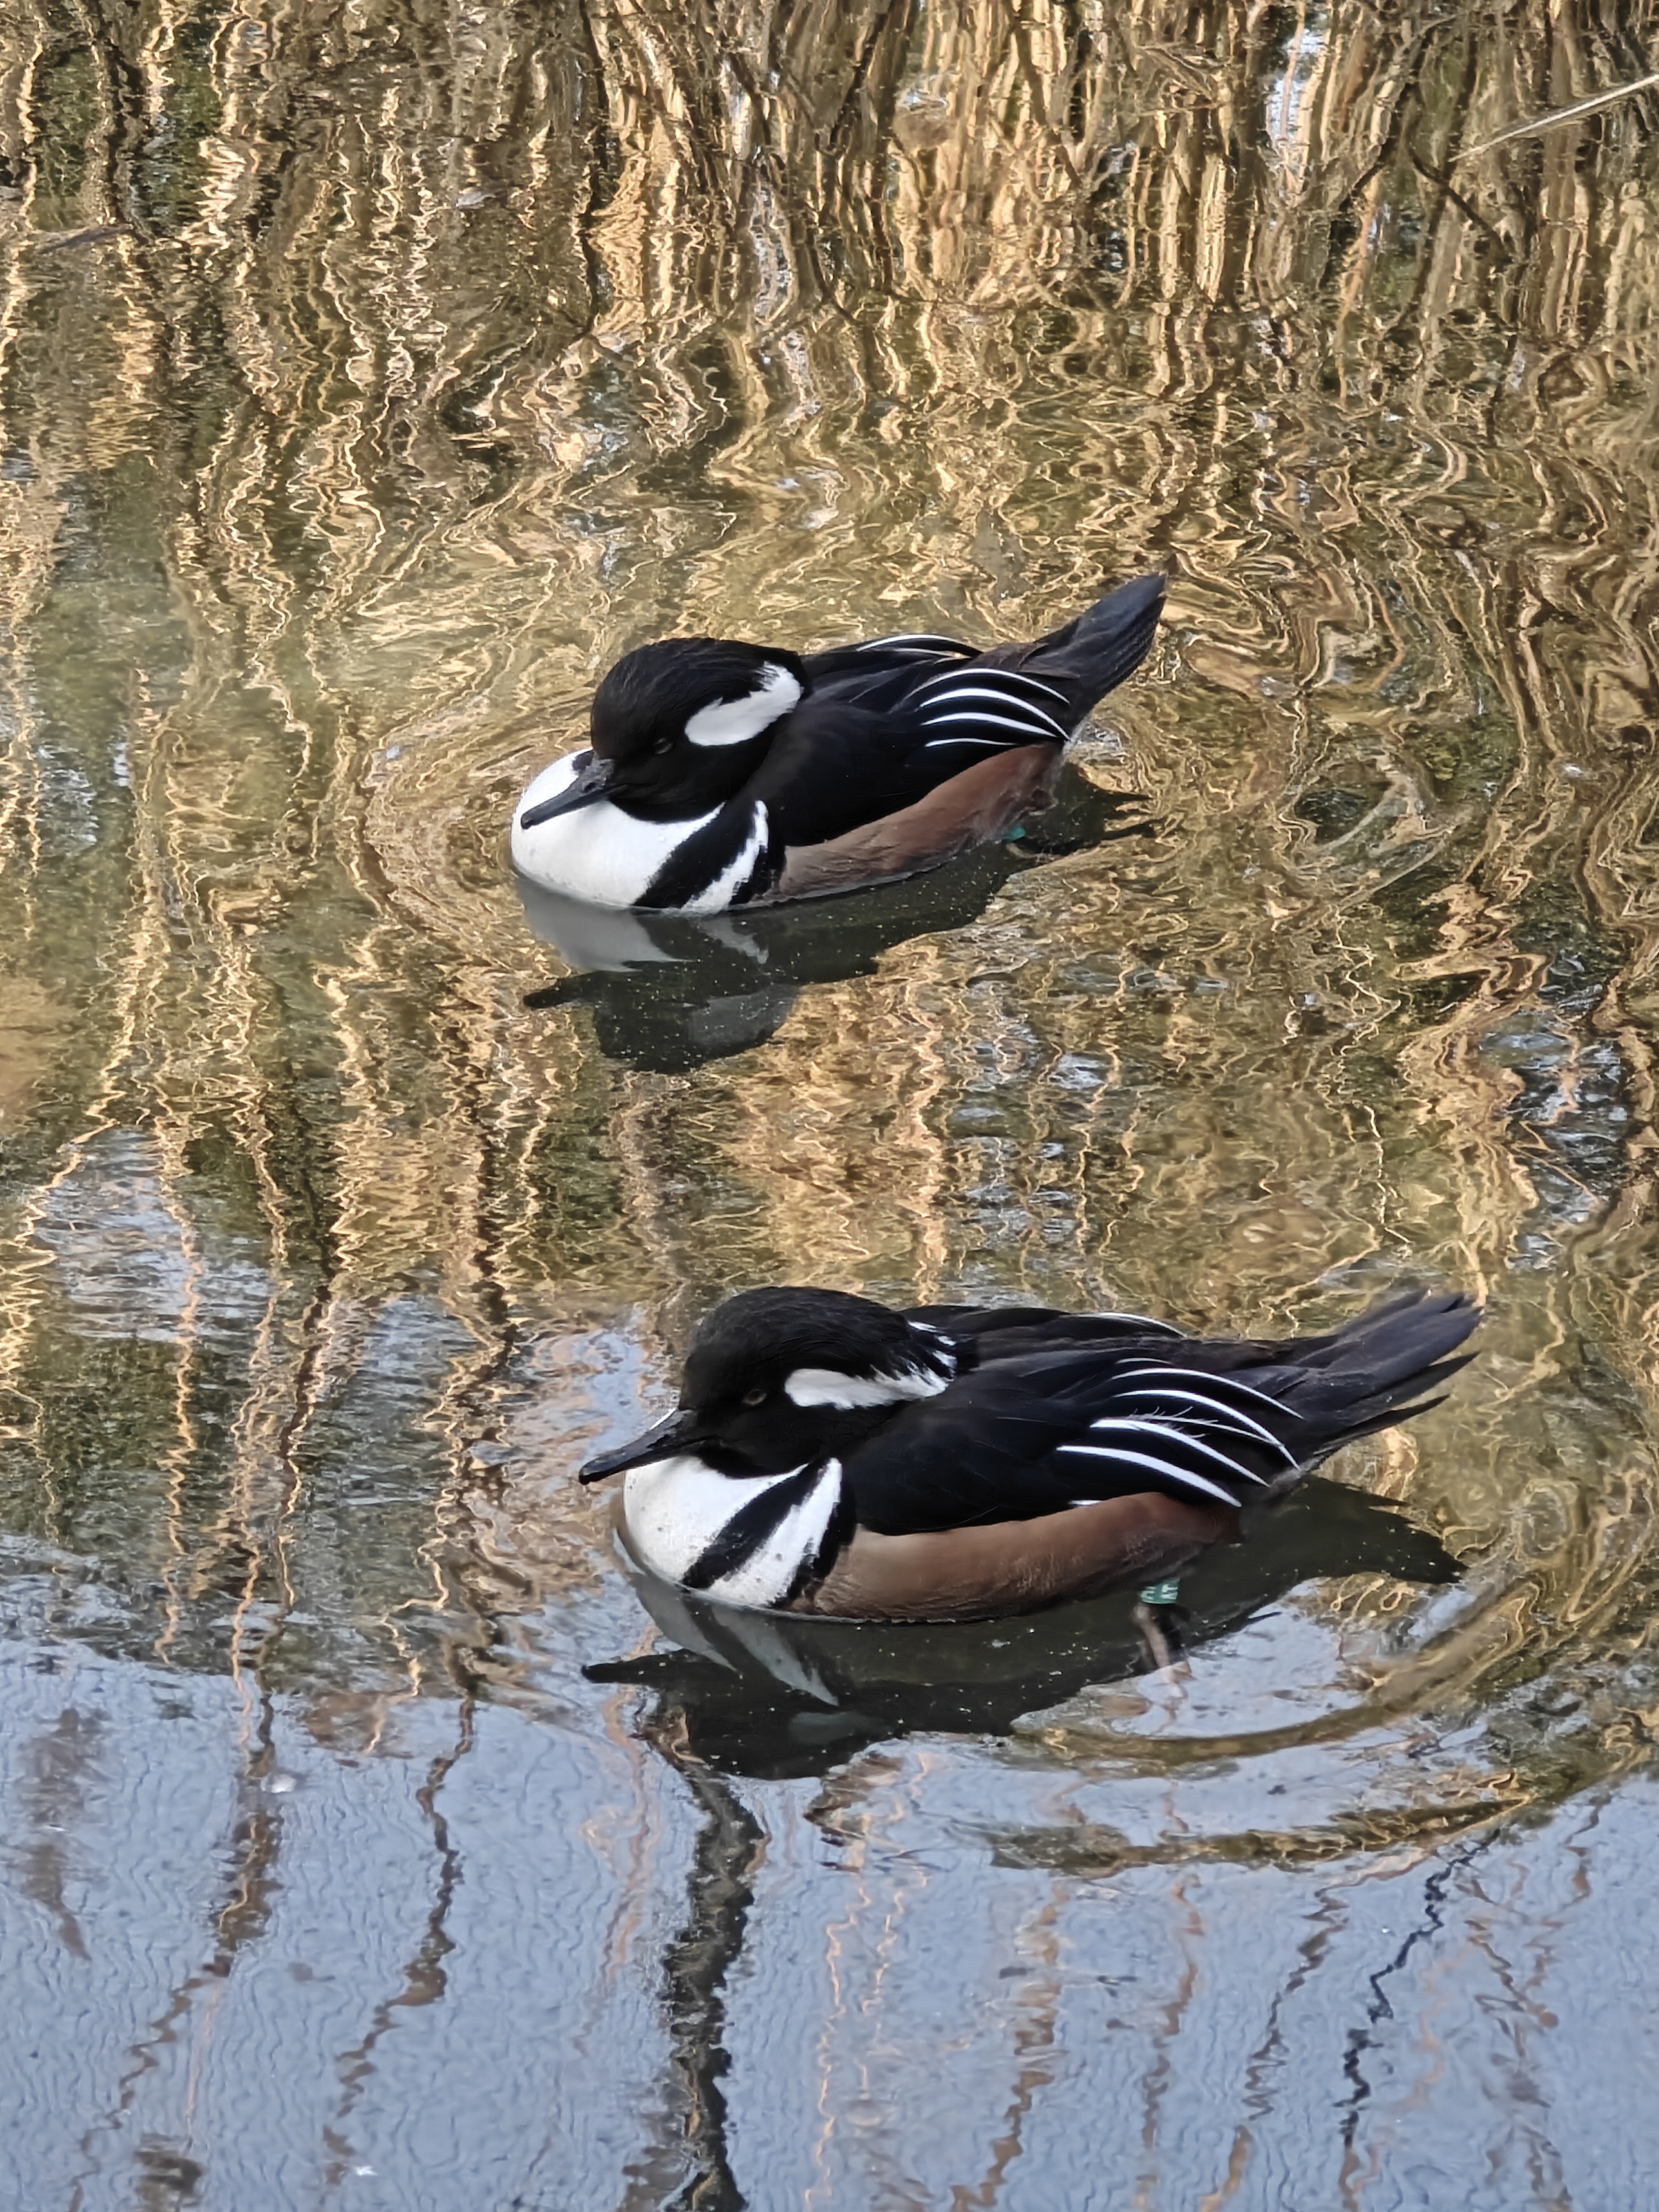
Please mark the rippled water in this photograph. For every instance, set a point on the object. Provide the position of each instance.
(370, 378)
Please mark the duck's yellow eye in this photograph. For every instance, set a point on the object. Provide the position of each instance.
(754, 1397)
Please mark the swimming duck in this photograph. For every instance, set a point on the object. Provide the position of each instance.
(722, 774)
(671, 991)
(830, 1456)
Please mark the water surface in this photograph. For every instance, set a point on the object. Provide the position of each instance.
(370, 379)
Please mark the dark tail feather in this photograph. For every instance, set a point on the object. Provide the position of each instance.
(1360, 1416)
(1099, 647)
(1382, 1367)
(1402, 1336)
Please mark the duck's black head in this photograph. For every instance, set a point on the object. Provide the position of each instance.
(680, 727)
(775, 1378)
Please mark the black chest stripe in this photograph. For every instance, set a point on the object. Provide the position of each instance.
(704, 858)
(750, 1526)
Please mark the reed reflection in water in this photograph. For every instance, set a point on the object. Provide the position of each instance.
(371, 379)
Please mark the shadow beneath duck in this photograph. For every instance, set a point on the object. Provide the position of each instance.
(772, 1695)
(668, 992)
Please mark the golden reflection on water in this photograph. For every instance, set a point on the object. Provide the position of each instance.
(371, 380)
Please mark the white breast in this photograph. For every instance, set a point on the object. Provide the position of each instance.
(598, 853)
(674, 1509)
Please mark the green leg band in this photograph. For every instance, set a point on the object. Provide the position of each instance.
(1161, 1594)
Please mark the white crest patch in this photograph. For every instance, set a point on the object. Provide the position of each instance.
(734, 721)
(674, 1509)
(598, 853)
(823, 1386)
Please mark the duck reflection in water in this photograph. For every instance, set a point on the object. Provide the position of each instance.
(669, 992)
(776, 1697)
(772, 1695)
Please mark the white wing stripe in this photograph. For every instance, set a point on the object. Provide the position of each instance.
(1232, 1417)
(921, 638)
(1011, 703)
(1031, 734)
(1021, 676)
(1151, 1373)
(933, 743)
(1001, 675)
(1005, 702)
(1167, 1433)
(1016, 706)
(1159, 1467)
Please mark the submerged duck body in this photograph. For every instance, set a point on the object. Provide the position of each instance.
(722, 774)
(953, 1463)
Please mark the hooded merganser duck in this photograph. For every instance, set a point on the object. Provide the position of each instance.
(722, 774)
(829, 1456)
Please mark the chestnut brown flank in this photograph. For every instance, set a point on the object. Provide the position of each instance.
(971, 808)
(1016, 1566)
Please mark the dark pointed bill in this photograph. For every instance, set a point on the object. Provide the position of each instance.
(592, 781)
(677, 1432)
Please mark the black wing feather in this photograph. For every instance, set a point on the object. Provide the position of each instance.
(888, 722)
(1216, 1421)
(978, 1333)
(1017, 1439)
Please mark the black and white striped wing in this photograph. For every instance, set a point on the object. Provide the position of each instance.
(969, 714)
(914, 645)
(880, 671)
(1020, 1437)
(1205, 1437)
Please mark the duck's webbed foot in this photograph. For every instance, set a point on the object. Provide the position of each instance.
(1158, 1616)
